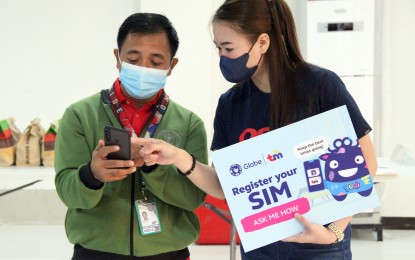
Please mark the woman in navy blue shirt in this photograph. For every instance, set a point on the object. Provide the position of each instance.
(274, 87)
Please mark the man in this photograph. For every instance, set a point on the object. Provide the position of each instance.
(104, 196)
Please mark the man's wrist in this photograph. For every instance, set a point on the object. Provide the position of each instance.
(87, 178)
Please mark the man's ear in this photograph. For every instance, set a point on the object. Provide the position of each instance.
(264, 42)
(117, 59)
(173, 64)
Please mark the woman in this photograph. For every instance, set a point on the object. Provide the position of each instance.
(258, 49)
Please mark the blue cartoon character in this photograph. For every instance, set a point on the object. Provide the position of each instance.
(345, 170)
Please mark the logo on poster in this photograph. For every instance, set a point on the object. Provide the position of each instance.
(276, 155)
(235, 170)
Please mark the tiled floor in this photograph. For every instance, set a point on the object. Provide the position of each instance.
(49, 242)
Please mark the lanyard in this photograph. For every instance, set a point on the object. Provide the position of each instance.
(142, 185)
(150, 127)
(152, 122)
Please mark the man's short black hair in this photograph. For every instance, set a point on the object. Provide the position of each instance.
(148, 23)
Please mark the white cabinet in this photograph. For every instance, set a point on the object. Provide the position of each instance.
(339, 35)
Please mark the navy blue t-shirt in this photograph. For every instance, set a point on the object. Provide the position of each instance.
(243, 111)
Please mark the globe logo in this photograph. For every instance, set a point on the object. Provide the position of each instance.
(235, 170)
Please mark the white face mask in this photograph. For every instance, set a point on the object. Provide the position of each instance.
(142, 82)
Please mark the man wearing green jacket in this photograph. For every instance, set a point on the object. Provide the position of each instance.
(105, 198)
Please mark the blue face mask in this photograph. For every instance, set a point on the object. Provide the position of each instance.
(142, 82)
(235, 70)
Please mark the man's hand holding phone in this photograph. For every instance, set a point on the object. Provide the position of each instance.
(111, 159)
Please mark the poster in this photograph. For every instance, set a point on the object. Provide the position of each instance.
(314, 167)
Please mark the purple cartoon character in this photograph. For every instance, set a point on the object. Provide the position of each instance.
(345, 170)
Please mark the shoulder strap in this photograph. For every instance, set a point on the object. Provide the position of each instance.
(105, 96)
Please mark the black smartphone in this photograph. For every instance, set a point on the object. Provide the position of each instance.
(120, 137)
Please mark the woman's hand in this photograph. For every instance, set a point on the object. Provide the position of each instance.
(155, 151)
(135, 153)
(313, 233)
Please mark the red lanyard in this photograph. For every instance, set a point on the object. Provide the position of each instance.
(153, 121)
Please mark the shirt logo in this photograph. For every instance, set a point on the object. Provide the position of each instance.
(170, 136)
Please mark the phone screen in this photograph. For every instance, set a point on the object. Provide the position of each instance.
(314, 175)
(120, 137)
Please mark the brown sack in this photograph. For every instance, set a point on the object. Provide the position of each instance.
(9, 134)
(48, 144)
(29, 145)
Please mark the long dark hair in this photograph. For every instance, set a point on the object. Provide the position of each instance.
(253, 17)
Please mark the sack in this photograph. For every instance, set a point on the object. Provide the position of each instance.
(29, 145)
(9, 134)
(48, 144)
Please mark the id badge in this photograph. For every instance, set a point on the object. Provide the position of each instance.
(148, 217)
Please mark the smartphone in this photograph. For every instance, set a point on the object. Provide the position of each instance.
(314, 175)
(120, 137)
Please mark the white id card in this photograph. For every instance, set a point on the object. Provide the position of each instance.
(148, 217)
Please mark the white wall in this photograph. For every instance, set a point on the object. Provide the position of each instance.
(397, 77)
(54, 52)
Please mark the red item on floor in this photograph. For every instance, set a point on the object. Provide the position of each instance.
(214, 230)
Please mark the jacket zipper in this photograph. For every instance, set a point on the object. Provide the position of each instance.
(132, 215)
